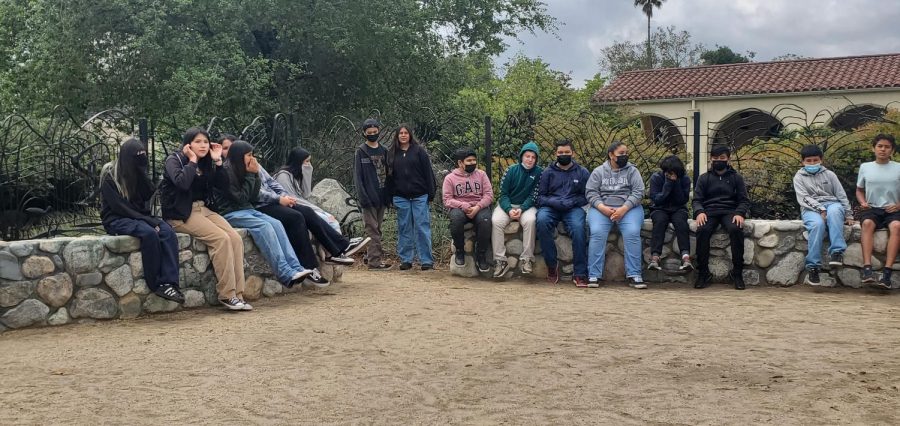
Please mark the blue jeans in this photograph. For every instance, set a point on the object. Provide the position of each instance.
(414, 229)
(629, 227)
(547, 219)
(816, 226)
(271, 239)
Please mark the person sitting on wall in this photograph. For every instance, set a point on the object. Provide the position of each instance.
(518, 190)
(878, 193)
(468, 194)
(561, 198)
(720, 198)
(670, 190)
(614, 191)
(823, 207)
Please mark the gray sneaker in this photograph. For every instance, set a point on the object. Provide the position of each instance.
(654, 264)
(527, 266)
(501, 267)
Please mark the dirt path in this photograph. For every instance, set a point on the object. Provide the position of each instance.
(430, 348)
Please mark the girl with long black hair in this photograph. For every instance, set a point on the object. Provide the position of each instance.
(125, 192)
(411, 182)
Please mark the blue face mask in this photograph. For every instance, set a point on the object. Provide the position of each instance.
(813, 169)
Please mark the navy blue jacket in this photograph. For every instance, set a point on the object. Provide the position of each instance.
(563, 189)
(667, 195)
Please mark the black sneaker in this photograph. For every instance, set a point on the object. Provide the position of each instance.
(316, 279)
(867, 275)
(405, 266)
(837, 259)
(169, 292)
(427, 267)
(812, 277)
(501, 267)
(702, 280)
(482, 263)
(885, 281)
(356, 244)
(737, 277)
(298, 278)
(460, 258)
(379, 267)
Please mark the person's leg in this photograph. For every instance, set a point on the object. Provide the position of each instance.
(168, 255)
(266, 239)
(736, 234)
(405, 248)
(284, 243)
(421, 216)
(458, 222)
(499, 220)
(835, 220)
(220, 249)
(482, 223)
(600, 226)
(547, 218)
(704, 234)
(867, 238)
(527, 221)
(150, 249)
(295, 226)
(630, 226)
(331, 240)
(575, 224)
(815, 227)
(893, 241)
(371, 219)
(661, 221)
(236, 245)
(679, 221)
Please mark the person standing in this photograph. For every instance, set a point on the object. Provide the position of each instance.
(518, 191)
(369, 173)
(411, 182)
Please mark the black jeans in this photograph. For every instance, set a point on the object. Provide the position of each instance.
(159, 250)
(482, 221)
(661, 220)
(299, 222)
(705, 232)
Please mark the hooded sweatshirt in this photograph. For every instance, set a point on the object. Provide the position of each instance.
(721, 194)
(181, 185)
(562, 189)
(462, 190)
(815, 189)
(615, 188)
(519, 185)
(369, 173)
(410, 173)
(668, 195)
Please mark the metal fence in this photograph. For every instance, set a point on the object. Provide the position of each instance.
(49, 166)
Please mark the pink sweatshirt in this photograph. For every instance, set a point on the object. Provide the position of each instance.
(462, 190)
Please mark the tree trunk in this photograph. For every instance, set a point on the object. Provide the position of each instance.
(649, 55)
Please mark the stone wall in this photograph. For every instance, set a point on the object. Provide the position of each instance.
(62, 280)
(774, 253)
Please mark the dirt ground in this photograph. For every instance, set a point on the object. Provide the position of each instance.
(414, 347)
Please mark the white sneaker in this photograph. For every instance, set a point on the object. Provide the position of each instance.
(233, 304)
(637, 283)
(247, 306)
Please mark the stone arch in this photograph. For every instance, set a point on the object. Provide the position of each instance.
(741, 127)
(663, 131)
(854, 116)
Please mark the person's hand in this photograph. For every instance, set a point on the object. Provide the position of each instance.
(515, 214)
(215, 152)
(189, 153)
(618, 213)
(157, 228)
(864, 206)
(824, 214)
(701, 219)
(892, 208)
(286, 201)
(473, 211)
(738, 220)
(252, 165)
(850, 222)
(671, 176)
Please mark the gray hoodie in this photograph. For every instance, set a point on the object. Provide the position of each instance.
(813, 190)
(615, 188)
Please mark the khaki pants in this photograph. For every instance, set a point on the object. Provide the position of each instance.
(498, 239)
(373, 218)
(226, 250)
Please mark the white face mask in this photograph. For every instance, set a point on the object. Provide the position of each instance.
(306, 170)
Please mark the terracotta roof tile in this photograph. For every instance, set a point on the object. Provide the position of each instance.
(805, 75)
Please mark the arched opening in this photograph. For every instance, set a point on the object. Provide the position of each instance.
(742, 127)
(663, 131)
(855, 116)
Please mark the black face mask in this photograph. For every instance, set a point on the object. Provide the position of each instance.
(564, 160)
(719, 165)
(470, 168)
(141, 161)
(372, 138)
(622, 160)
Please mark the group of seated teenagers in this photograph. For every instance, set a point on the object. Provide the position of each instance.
(209, 189)
(611, 196)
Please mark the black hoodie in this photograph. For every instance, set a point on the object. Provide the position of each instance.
(411, 174)
(181, 186)
(721, 194)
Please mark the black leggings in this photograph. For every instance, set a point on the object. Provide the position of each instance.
(704, 234)
(661, 220)
(299, 222)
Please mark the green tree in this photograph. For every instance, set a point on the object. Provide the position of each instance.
(647, 7)
(674, 49)
(724, 55)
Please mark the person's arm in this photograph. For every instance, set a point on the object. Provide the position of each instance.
(660, 189)
(683, 194)
(449, 196)
(579, 199)
(743, 198)
(120, 206)
(268, 193)
(637, 189)
(487, 192)
(861, 189)
(841, 195)
(503, 201)
(592, 190)
(362, 191)
(530, 201)
(542, 189)
(181, 176)
(699, 196)
(803, 197)
(427, 172)
(286, 180)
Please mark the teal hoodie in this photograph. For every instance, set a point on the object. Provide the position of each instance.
(519, 185)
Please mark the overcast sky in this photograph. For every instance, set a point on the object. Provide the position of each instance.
(813, 28)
